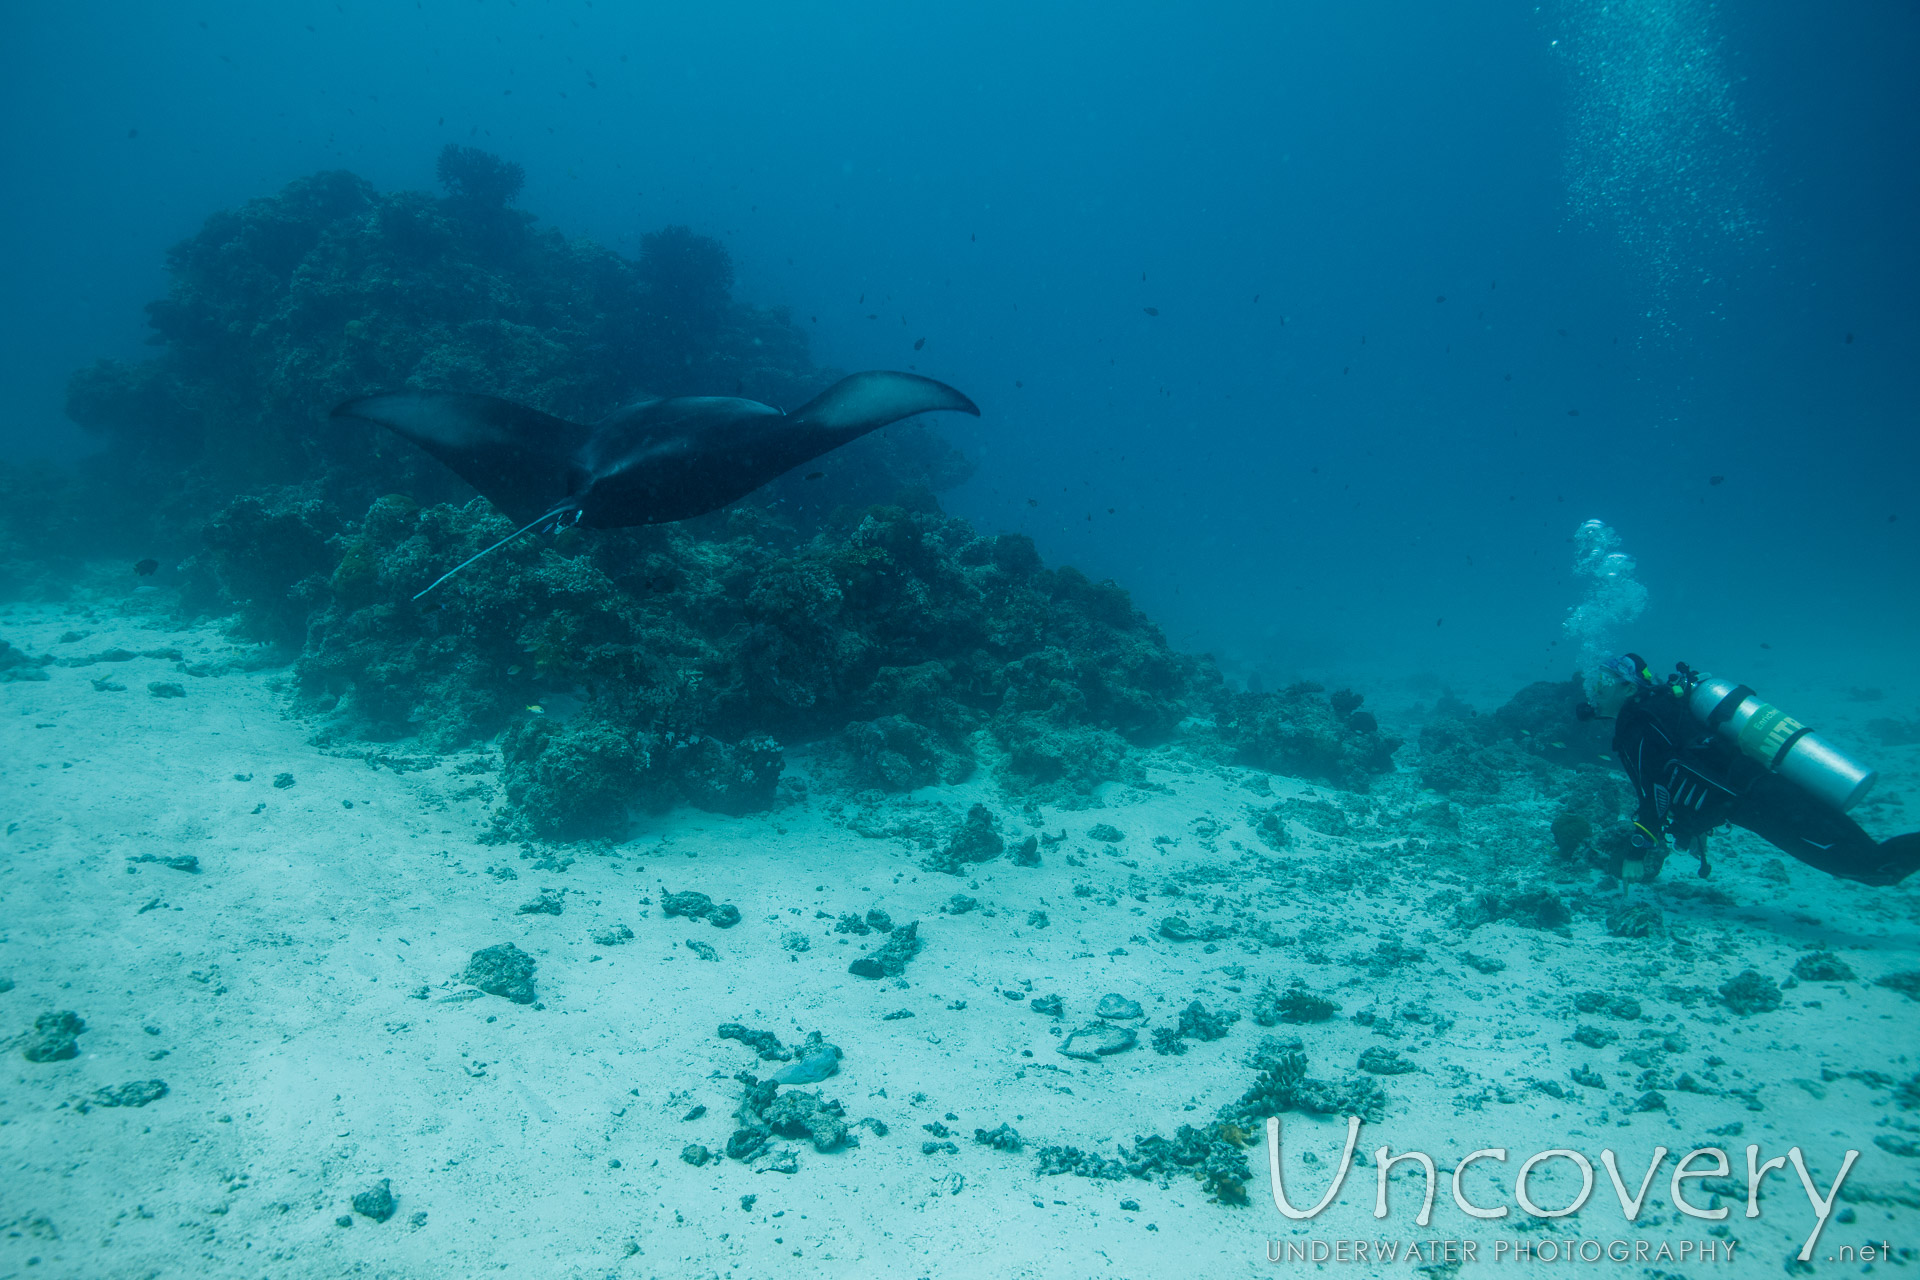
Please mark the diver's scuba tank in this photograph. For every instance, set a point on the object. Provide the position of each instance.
(1775, 739)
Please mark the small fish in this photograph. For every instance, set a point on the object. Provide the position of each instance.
(536, 708)
(1033, 502)
(815, 475)
(146, 568)
(919, 343)
(513, 671)
(1765, 645)
(1441, 298)
(1716, 479)
(1152, 311)
(1573, 413)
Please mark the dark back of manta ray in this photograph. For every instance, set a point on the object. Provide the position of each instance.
(656, 461)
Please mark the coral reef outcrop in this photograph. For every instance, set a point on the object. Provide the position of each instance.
(283, 308)
(628, 669)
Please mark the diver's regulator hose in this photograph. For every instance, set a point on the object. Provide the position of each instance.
(1784, 745)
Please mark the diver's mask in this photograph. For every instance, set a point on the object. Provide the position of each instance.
(1631, 669)
(1628, 672)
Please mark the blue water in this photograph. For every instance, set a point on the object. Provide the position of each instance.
(1689, 223)
(1322, 329)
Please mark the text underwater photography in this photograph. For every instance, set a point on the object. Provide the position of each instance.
(1702, 1171)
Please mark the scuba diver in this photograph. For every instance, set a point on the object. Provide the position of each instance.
(1702, 752)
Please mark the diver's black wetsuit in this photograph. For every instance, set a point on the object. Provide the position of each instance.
(1691, 780)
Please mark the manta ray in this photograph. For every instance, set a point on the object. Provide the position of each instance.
(652, 462)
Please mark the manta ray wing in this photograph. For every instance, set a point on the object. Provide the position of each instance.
(863, 402)
(684, 457)
(521, 460)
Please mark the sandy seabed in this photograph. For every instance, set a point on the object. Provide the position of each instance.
(299, 995)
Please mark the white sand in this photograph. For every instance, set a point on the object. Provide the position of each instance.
(301, 1070)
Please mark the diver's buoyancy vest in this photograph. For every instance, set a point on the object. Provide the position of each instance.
(1780, 743)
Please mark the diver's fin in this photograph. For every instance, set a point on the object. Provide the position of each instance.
(862, 402)
(1899, 858)
(522, 460)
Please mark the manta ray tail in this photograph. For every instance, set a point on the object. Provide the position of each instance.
(559, 514)
(863, 402)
